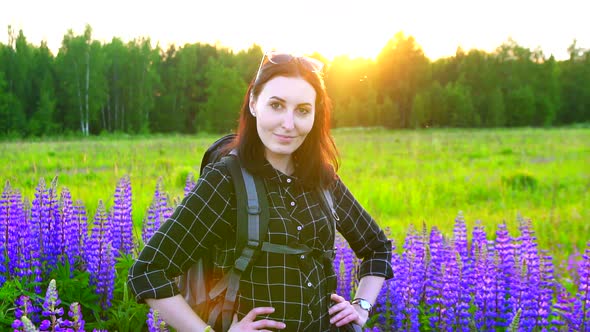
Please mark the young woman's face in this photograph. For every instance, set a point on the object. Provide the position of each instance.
(285, 112)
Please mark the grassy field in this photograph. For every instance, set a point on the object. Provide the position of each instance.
(403, 178)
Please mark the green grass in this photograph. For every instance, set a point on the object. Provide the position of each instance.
(402, 178)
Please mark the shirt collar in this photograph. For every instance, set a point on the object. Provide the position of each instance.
(275, 175)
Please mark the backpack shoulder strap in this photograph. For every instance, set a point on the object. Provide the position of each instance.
(251, 205)
(251, 228)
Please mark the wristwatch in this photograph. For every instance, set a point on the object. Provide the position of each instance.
(364, 304)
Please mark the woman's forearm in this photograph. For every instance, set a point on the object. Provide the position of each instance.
(368, 289)
(178, 314)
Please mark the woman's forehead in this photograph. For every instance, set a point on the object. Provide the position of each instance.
(290, 89)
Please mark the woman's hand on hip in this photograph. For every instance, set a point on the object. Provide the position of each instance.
(342, 312)
(249, 322)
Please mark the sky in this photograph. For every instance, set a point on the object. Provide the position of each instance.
(330, 27)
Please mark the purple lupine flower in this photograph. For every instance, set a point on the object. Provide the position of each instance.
(433, 279)
(412, 270)
(11, 233)
(27, 325)
(484, 285)
(337, 264)
(190, 183)
(52, 301)
(584, 289)
(52, 310)
(480, 239)
(506, 280)
(75, 314)
(21, 240)
(80, 239)
(155, 323)
(564, 311)
(24, 308)
(41, 212)
(528, 286)
(101, 262)
(395, 288)
(461, 245)
(53, 228)
(460, 237)
(122, 227)
(69, 250)
(5, 221)
(32, 248)
(455, 310)
(158, 212)
(346, 268)
(388, 306)
(546, 287)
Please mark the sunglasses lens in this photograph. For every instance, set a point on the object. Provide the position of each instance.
(313, 65)
(279, 58)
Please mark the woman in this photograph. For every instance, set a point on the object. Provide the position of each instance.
(284, 138)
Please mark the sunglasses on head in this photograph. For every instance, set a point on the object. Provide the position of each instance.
(311, 64)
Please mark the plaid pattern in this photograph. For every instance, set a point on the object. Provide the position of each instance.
(295, 285)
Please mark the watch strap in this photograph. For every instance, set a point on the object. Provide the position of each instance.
(362, 303)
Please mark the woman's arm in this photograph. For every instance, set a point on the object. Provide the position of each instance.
(368, 289)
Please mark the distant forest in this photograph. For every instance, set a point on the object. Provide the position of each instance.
(91, 87)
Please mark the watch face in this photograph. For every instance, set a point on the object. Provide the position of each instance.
(365, 305)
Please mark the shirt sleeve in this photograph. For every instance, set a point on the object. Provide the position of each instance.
(365, 237)
(202, 219)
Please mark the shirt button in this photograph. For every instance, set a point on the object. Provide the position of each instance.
(302, 256)
(288, 180)
(309, 284)
(309, 312)
(299, 228)
(292, 203)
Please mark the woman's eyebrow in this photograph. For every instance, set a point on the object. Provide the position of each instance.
(284, 101)
(279, 99)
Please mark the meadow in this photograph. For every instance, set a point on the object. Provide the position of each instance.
(402, 178)
(466, 208)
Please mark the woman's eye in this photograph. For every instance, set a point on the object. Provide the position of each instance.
(275, 106)
(304, 110)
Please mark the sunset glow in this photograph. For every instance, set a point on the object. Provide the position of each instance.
(328, 27)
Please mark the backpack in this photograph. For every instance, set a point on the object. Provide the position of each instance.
(208, 300)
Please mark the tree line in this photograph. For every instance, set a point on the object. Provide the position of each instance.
(91, 87)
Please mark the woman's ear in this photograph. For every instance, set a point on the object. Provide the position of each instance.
(252, 105)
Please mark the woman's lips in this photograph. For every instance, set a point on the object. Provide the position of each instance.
(284, 138)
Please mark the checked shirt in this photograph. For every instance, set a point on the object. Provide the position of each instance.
(295, 285)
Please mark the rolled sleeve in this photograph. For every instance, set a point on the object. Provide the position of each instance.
(203, 218)
(363, 234)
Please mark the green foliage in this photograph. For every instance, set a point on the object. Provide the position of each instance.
(521, 180)
(182, 176)
(412, 175)
(225, 92)
(12, 116)
(9, 291)
(75, 287)
(125, 314)
(92, 87)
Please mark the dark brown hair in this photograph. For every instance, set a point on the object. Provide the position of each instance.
(320, 161)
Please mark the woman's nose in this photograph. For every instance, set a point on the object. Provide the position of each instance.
(289, 120)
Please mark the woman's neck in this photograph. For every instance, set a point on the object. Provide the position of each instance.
(283, 163)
